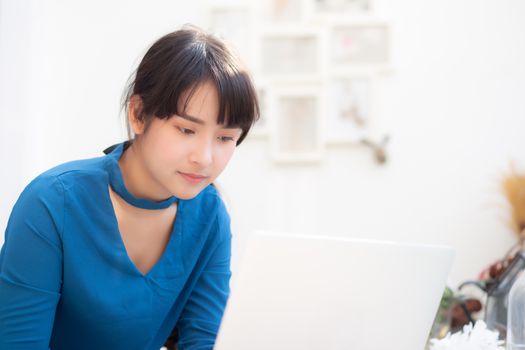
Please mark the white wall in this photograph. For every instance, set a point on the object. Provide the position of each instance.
(454, 108)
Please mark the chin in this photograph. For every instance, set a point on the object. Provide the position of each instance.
(188, 194)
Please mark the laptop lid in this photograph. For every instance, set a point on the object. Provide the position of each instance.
(309, 292)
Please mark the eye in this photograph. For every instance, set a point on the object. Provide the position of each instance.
(185, 131)
(226, 139)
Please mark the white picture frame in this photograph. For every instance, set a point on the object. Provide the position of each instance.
(341, 7)
(296, 128)
(349, 112)
(314, 63)
(261, 128)
(359, 46)
(290, 54)
(282, 11)
(234, 24)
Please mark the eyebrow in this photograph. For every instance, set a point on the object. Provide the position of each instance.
(202, 122)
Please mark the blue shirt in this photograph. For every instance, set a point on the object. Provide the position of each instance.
(66, 281)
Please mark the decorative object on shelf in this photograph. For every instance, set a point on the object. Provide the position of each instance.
(496, 286)
(454, 312)
(462, 312)
(514, 190)
(477, 337)
(379, 148)
(503, 273)
(497, 279)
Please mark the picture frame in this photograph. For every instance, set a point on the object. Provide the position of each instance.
(339, 7)
(361, 45)
(314, 63)
(225, 19)
(291, 54)
(282, 11)
(349, 111)
(296, 128)
(261, 129)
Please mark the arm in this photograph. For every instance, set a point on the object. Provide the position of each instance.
(200, 319)
(31, 266)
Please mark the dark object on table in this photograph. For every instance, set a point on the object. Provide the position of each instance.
(461, 313)
(497, 289)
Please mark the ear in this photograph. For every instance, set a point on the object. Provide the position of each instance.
(135, 118)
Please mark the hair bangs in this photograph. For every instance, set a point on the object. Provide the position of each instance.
(182, 76)
(238, 104)
(177, 64)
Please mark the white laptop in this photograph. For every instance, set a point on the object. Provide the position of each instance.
(305, 292)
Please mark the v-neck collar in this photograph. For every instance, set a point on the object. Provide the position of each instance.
(169, 266)
(116, 181)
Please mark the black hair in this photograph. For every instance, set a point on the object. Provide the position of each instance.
(177, 64)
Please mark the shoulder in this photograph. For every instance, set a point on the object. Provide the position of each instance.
(51, 185)
(90, 165)
(69, 173)
(44, 190)
(40, 208)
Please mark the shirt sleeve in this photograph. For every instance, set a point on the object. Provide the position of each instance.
(200, 319)
(31, 266)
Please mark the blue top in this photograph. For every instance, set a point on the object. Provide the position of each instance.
(66, 281)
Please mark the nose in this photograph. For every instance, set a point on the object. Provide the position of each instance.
(202, 153)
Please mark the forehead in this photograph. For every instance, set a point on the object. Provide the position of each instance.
(201, 104)
(200, 96)
(201, 101)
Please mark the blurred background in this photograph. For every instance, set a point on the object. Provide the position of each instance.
(450, 96)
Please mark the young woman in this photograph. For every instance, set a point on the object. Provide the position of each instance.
(119, 251)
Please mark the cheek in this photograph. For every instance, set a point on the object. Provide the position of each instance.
(169, 145)
(165, 158)
(224, 157)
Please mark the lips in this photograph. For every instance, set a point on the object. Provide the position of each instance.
(193, 178)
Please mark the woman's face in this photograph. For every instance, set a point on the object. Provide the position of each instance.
(185, 153)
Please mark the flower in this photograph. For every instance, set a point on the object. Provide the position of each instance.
(476, 337)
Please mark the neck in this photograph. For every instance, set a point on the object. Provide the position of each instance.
(137, 178)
